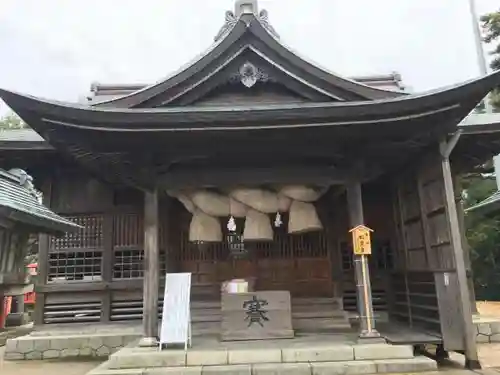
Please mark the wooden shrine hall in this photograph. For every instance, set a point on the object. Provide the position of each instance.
(254, 163)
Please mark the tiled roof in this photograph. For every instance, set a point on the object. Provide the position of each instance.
(20, 135)
(488, 206)
(22, 206)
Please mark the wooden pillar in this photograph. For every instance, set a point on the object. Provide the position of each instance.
(361, 269)
(107, 264)
(43, 259)
(468, 263)
(151, 270)
(471, 356)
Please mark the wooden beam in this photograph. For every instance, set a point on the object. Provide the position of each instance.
(404, 242)
(213, 177)
(471, 355)
(151, 270)
(107, 258)
(43, 257)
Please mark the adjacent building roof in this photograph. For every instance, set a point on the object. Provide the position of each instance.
(490, 206)
(18, 139)
(19, 203)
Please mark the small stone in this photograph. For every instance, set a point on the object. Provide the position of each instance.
(86, 352)
(51, 353)
(58, 343)
(70, 353)
(416, 364)
(150, 358)
(33, 355)
(207, 358)
(41, 344)
(480, 338)
(77, 342)
(282, 369)
(343, 368)
(495, 337)
(113, 341)
(382, 351)
(13, 356)
(95, 342)
(194, 370)
(227, 370)
(25, 346)
(103, 351)
(484, 329)
(248, 356)
(11, 345)
(319, 354)
(495, 327)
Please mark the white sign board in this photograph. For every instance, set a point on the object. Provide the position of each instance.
(176, 317)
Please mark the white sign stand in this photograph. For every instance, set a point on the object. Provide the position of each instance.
(176, 317)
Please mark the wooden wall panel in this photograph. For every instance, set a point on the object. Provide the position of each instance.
(427, 294)
(79, 193)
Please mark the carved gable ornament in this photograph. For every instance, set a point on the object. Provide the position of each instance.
(248, 74)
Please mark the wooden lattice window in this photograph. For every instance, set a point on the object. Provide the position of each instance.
(128, 264)
(78, 255)
(75, 265)
(382, 257)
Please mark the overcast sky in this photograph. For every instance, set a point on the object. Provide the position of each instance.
(56, 48)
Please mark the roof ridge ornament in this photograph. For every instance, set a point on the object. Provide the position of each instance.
(242, 7)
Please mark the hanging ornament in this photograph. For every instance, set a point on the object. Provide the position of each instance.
(277, 221)
(231, 224)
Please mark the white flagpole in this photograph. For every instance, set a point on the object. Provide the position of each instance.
(483, 67)
(478, 41)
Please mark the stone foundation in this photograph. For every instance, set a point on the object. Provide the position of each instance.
(487, 329)
(103, 340)
(67, 346)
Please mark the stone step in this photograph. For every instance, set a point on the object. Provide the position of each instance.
(213, 316)
(380, 366)
(245, 354)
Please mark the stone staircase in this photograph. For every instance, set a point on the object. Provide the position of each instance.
(300, 356)
(308, 315)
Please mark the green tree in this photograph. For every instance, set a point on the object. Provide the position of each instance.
(11, 121)
(483, 236)
(491, 26)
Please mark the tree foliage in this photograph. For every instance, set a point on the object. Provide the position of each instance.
(491, 28)
(11, 121)
(483, 236)
(483, 233)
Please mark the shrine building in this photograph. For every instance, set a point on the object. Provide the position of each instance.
(254, 163)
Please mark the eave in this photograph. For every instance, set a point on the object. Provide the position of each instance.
(461, 99)
(20, 206)
(316, 133)
(247, 32)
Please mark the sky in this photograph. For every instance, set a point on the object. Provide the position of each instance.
(56, 48)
